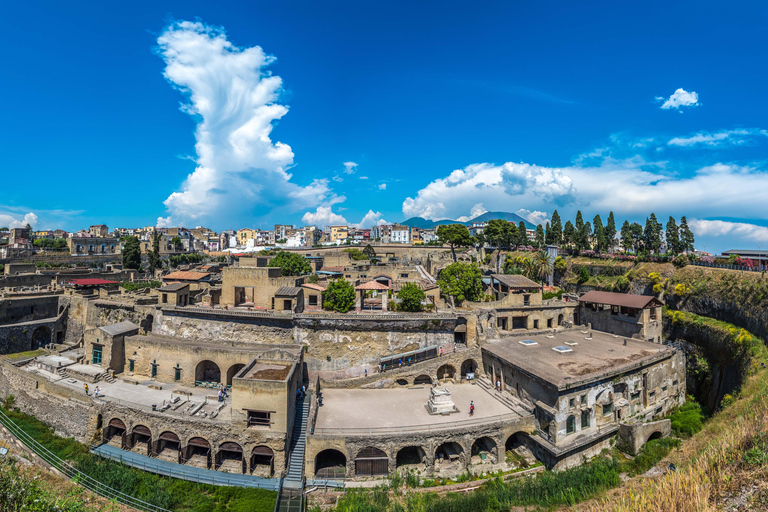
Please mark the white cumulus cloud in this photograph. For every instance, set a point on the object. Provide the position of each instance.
(476, 211)
(497, 187)
(371, 219)
(9, 220)
(737, 137)
(678, 99)
(349, 167)
(741, 230)
(241, 173)
(535, 217)
(322, 217)
(382, 186)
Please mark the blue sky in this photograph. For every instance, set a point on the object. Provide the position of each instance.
(447, 109)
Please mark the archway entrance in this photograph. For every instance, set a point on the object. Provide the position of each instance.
(560, 319)
(114, 434)
(519, 450)
(410, 455)
(468, 366)
(330, 464)
(168, 447)
(263, 461)
(448, 456)
(40, 337)
(484, 450)
(371, 461)
(460, 334)
(198, 453)
(207, 372)
(446, 372)
(423, 379)
(141, 440)
(230, 458)
(233, 370)
(655, 435)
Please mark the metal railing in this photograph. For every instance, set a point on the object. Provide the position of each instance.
(73, 474)
(743, 268)
(429, 427)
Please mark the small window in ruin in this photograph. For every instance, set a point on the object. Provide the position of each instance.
(635, 395)
(583, 399)
(664, 388)
(584, 419)
(607, 409)
(313, 300)
(572, 402)
(131, 362)
(651, 395)
(674, 383)
(570, 425)
(259, 418)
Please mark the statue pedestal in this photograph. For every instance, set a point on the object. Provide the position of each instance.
(440, 402)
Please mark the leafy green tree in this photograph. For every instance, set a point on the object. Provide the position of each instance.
(687, 239)
(339, 296)
(356, 254)
(411, 296)
(652, 234)
(636, 232)
(556, 228)
(176, 242)
(153, 256)
(673, 237)
(599, 230)
(132, 253)
(560, 265)
(455, 235)
(610, 231)
(291, 264)
(369, 252)
(461, 281)
(540, 240)
(569, 233)
(313, 279)
(522, 234)
(545, 264)
(578, 229)
(626, 236)
(500, 234)
(586, 236)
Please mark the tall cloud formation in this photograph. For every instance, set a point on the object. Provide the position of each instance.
(9, 220)
(241, 173)
(741, 230)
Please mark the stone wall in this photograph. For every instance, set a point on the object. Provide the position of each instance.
(13, 311)
(634, 436)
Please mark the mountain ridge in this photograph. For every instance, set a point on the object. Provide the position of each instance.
(422, 223)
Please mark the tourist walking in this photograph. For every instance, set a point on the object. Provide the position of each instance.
(441, 350)
(86, 388)
(97, 391)
(498, 385)
(472, 408)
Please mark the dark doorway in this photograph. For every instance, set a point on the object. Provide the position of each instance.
(330, 464)
(371, 461)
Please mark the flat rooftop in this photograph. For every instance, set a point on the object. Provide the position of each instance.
(387, 410)
(268, 371)
(587, 359)
(255, 348)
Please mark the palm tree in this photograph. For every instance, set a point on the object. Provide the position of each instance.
(545, 264)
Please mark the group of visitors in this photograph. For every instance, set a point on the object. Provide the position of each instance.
(301, 393)
(222, 392)
(95, 391)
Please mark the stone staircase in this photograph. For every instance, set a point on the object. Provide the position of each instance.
(503, 397)
(294, 478)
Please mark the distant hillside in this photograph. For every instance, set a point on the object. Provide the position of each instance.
(422, 223)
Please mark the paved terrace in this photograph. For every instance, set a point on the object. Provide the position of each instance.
(594, 355)
(141, 395)
(402, 410)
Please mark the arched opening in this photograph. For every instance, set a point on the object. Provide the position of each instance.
(560, 319)
(401, 382)
(655, 435)
(484, 451)
(207, 372)
(423, 379)
(233, 370)
(448, 455)
(263, 462)
(411, 456)
(570, 424)
(168, 447)
(40, 337)
(141, 440)
(371, 461)
(446, 372)
(330, 464)
(519, 450)
(230, 458)
(197, 453)
(99, 422)
(468, 366)
(114, 434)
(146, 323)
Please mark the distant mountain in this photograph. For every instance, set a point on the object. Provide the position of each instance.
(422, 223)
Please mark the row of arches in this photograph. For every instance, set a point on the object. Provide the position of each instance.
(196, 451)
(373, 461)
(444, 372)
(209, 372)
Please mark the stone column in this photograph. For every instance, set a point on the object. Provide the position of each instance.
(385, 300)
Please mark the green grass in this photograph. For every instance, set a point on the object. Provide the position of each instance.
(653, 451)
(688, 419)
(173, 494)
(24, 355)
(132, 287)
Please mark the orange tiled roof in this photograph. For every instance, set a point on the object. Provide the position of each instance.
(186, 275)
(372, 285)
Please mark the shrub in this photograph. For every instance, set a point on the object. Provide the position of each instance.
(583, 275)
(560, 265)
(680, 261)
(411, 296)
(688, 419)
(653, 451)
(339, 296)
(621, 285)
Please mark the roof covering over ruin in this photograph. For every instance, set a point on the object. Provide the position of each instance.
(92, 282)
(173, 287)
(186, 275)
(332, 270)
(372, 285)
(627, 300)
(287, 291)
(517, 282)
(120, 328)
(315, 286)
